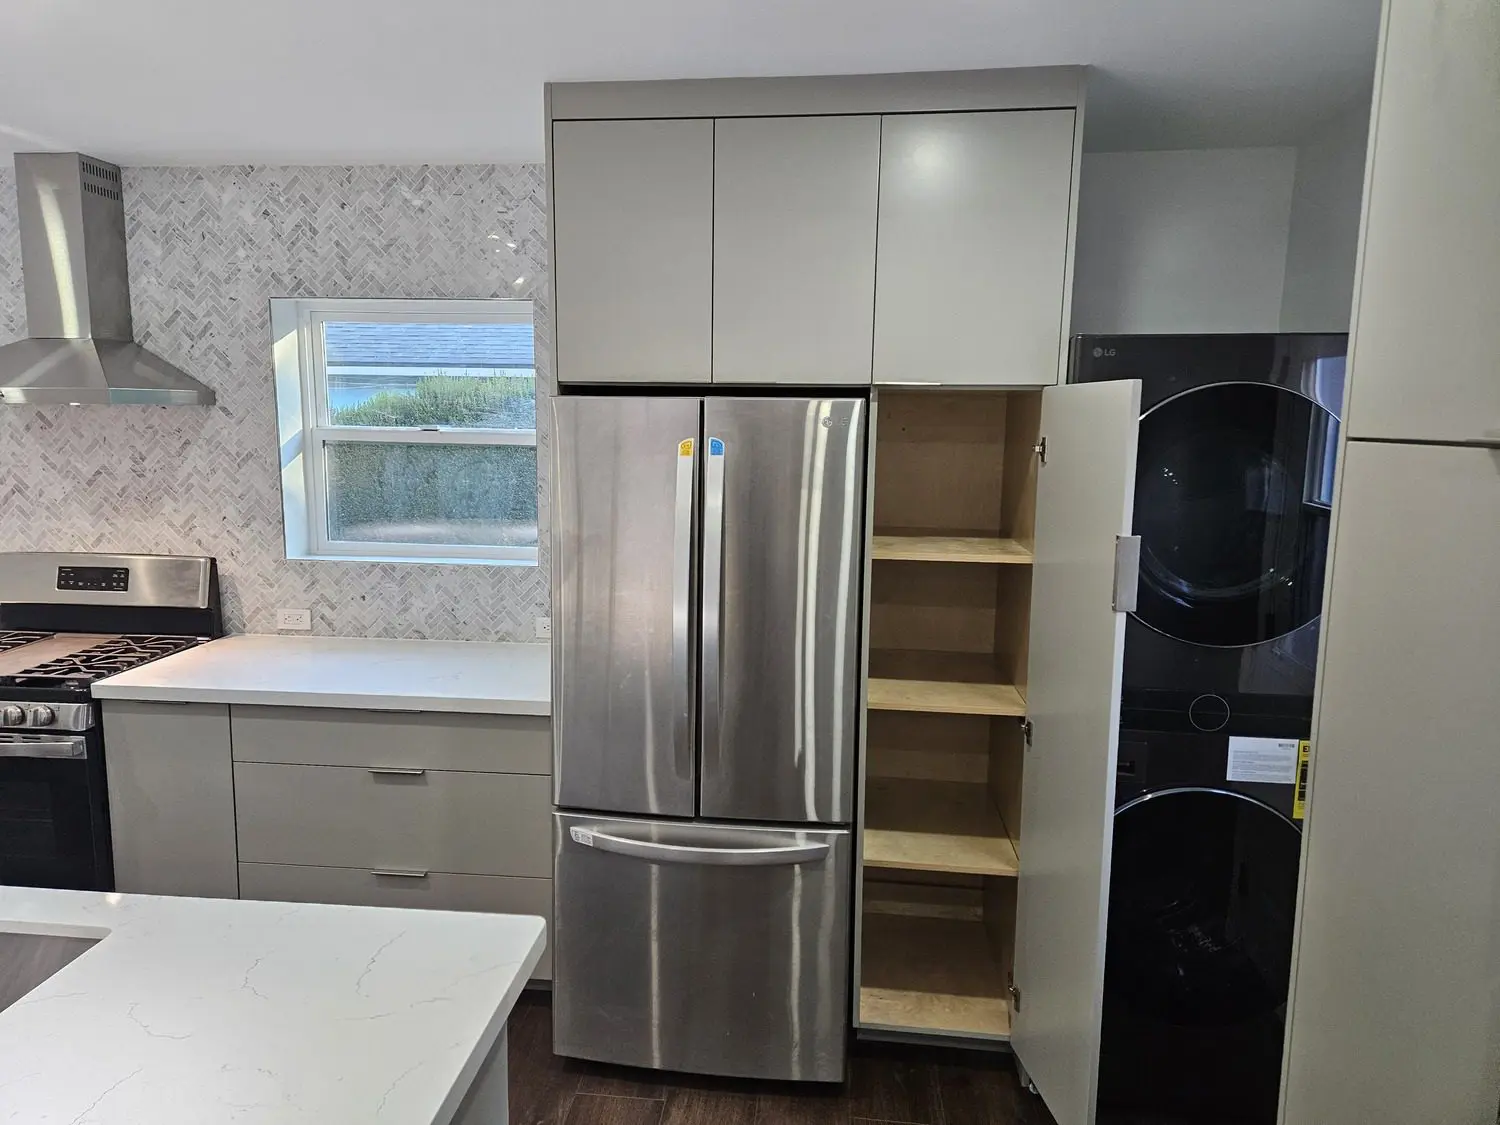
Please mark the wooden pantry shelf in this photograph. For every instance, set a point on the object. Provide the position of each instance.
(917, 546)
(949, 683)
(935, 826)
(937, 975)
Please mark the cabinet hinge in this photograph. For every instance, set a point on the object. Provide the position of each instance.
(1040, 449)
(1015, 993)
(1026, 730)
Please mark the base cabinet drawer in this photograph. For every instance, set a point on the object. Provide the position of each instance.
(435, 891)
(418, 820)
(313, 736)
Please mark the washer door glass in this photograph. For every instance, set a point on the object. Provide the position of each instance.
(1233, 488)
(1203, 890)
(1202, 896)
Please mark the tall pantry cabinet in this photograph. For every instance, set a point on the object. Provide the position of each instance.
(1394, 1012)
(908, 237)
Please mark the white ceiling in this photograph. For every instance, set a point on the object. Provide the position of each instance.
(409, 81)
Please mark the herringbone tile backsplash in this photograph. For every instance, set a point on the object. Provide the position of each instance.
(208, 248)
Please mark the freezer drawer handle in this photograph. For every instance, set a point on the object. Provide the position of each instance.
(714, 857)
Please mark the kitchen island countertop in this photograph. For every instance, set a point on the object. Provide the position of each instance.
(368, 673)
(192, 1011)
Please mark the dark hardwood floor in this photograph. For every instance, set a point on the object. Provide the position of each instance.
(887, 1083)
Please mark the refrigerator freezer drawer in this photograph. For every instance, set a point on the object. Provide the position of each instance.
(700, 947)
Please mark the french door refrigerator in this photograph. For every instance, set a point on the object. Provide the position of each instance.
(706, 572)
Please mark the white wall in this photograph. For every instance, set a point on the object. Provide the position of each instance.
(1188, 241)
(1324, 232)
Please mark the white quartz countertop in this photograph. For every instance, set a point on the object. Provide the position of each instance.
(360, 672)
(195, 1011)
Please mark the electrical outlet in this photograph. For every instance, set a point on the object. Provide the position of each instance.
(544, 628)
(294, 620)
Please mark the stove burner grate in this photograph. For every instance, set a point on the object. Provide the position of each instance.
(109, 657)
(15, 638)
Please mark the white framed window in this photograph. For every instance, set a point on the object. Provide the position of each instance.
(407, 429)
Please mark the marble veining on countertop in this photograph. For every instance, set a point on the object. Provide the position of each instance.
(360, 672)
(191, 1010)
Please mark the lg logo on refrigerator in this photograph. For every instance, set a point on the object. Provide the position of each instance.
(1104, 353)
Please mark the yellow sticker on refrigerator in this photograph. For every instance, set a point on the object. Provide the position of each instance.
(1299, 799)
(685, 447)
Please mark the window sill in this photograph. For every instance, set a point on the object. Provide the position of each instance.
(409, 559)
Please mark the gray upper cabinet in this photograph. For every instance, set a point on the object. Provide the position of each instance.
(794, 249)
(1424, 363)
(972, 280)
(822, 231)
(632, 236)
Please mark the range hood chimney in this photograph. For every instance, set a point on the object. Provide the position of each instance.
(79, 348)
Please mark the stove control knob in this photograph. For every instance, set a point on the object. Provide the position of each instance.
(11, 716)
(42, 716)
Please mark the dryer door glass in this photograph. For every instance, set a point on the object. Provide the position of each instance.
(1233, 488)
(1202, 897)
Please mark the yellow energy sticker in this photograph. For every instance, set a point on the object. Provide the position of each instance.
(1299, 799)
(685, 447)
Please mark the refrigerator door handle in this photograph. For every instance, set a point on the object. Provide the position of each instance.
(682, 593)
(761, 856)
(713, 592)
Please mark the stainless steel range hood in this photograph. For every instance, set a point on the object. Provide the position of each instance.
(79, 348)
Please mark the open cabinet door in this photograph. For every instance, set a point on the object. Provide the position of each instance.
(1085, 496)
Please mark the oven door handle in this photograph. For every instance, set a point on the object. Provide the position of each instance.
(43, 746)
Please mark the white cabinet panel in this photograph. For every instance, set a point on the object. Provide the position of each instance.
(171, 798)
(632, 231)
(1085, 498)
(1426, 353)
(378, 818)
(435, 740)
(1393, 1014)
(794, 249)
(971, 272)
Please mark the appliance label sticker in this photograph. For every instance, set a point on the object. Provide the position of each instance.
(715, 447)
(1299, 799)
(1270, 760)
(685, 447)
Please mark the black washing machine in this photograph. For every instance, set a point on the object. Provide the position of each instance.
(1234, 484)
(1202, 898)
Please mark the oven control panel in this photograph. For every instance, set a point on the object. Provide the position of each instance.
(112, 579)
(57, 716)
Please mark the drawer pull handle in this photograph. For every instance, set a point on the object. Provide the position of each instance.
(399, 872)
(396, 771)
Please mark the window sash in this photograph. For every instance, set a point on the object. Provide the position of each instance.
(420, 435)
(318, 432)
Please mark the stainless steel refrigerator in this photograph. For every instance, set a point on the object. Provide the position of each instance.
(706, 572)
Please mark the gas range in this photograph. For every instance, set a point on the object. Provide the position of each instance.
(45, 678)
(66, 622)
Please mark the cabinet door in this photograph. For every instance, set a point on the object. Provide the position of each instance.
(632, 232)
(1392, 1014)
(974, 217)
(171, 798)
(1424, 362)
(1085, 497)
(794, 248)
